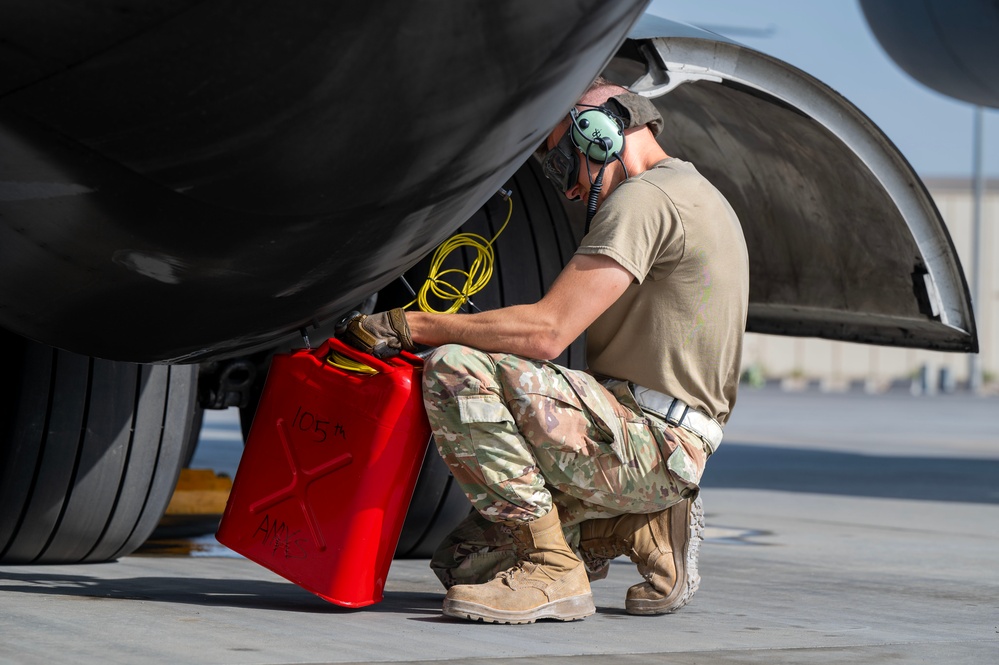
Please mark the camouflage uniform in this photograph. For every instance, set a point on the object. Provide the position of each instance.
(520, 434)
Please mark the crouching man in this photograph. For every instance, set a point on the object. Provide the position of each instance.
(568, 469)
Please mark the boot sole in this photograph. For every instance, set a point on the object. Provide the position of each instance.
(565, 609)
(686, 567)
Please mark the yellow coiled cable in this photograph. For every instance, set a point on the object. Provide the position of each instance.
(476, 278)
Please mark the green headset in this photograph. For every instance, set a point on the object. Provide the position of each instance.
(597, 132)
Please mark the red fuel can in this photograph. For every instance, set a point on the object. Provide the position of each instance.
(328, 471)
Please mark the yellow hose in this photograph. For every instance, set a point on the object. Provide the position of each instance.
(476, 279)
(343, 362)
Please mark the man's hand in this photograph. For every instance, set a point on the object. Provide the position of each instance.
(382, 335)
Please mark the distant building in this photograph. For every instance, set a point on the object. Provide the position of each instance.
(799, 361)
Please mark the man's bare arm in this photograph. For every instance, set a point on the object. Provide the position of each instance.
(585, 288)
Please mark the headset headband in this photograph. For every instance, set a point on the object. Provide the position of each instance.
(636, 111)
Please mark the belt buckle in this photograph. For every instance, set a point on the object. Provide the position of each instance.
(676, 413)
(676, 405)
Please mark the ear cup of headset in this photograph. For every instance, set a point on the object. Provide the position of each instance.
(598, 134)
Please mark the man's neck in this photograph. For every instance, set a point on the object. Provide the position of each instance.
(642, 154)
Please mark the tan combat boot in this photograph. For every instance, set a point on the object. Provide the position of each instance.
(548, 582)
(663, 545)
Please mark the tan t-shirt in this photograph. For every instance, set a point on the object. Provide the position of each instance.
(678, 328)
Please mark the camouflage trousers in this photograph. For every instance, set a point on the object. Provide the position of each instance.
(520, 436)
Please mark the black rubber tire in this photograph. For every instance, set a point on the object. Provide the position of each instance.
(539, 240)
(91, 452)
(197, 420)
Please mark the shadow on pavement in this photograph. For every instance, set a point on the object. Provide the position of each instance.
(239, 593)
(822, 472)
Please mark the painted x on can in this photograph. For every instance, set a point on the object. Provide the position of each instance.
(328, 471)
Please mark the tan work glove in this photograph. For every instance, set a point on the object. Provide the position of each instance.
(382, 335)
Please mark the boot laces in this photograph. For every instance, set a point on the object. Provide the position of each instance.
(521, 568)
(593, 560)
(600, 552)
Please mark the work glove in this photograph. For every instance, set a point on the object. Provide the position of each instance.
(382, 335)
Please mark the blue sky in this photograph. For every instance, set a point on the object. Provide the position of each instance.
(830, 40)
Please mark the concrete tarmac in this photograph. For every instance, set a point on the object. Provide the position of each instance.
(841, 528)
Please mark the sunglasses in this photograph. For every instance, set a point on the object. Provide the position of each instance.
(561, 164)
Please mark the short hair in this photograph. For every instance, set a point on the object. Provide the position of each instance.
(599, 91)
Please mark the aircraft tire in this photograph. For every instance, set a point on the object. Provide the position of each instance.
(91, 452)
(537, 242)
